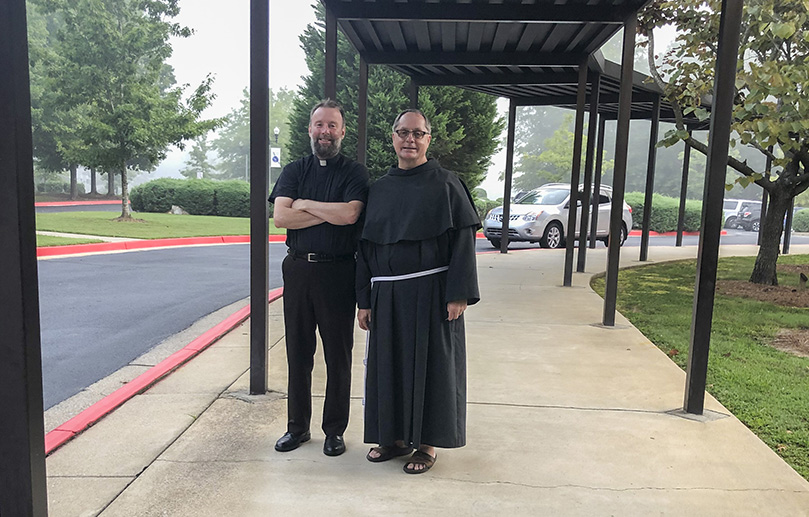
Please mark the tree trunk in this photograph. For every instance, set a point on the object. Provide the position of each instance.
(125, 213)
(110, 184)
(93, 189)
(74, 187)
(772, 227)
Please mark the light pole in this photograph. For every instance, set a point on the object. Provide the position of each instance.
(276, 131)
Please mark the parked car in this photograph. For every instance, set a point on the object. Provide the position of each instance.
(733, 207)
(749, 219)
(541, 216)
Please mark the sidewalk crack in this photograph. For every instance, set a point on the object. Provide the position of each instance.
(627, 489)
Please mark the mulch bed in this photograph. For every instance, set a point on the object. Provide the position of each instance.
(794, 341)
(786, 296)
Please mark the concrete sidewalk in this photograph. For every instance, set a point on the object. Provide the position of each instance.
(565, 417)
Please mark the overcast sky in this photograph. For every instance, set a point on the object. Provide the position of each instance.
(221, 46)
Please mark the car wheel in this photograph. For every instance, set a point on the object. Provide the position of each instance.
(730, 222)
(756, 225)
(495, 243)
(624, 235)
(552, 237)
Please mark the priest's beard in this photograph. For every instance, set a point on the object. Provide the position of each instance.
(327, 151)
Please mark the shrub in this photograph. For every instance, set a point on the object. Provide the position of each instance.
(483, 205)
(155, 196)
(665, 212)
(233, 199)
(196, 196)
(800, 221)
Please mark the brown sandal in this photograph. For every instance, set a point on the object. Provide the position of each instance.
(419, 458)
(387, 452)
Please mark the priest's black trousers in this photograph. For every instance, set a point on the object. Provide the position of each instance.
(319, 295)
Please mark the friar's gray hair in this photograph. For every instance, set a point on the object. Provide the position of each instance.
(417, 112)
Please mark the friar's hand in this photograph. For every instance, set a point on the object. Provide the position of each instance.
(455, 309)
(364, 318)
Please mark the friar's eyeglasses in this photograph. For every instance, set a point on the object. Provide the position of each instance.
(417, 134)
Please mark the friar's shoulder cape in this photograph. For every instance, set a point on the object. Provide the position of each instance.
(417, 204)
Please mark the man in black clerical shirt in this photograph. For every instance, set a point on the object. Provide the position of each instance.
(318, 199)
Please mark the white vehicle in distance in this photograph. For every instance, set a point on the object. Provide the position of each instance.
(541, 216)
(732, 209)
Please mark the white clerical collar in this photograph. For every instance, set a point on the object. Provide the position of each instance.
(322, 162)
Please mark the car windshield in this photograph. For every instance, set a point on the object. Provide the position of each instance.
(544, 197)
(730, 205)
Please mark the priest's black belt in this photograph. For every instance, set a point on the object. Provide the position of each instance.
(318, 257)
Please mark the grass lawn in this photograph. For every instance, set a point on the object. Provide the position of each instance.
(47, 240)
(155, 226)
(765, 388)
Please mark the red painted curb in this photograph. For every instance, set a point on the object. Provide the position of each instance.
(638, 233)
(97, 411)
(72, 249)
(79, 203)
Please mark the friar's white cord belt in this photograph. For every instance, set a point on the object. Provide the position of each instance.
(408, 276)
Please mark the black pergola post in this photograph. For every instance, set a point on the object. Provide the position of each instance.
(259, 191)
(362, 114)
(708, 254)
(683, 193)
(619, 176)
(23, 489)
(512, 122)
(575, 173)
(331, 55)
(589, 197)
(602, 123)
(650, 180)
(413, 94)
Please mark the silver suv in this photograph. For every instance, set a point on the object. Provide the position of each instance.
(541, 216)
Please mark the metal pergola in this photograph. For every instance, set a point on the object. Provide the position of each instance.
(515, 42)
(512, 49)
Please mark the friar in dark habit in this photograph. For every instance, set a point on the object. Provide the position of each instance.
(416, 275)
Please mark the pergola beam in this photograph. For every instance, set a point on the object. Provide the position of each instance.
(415, 58)
(489, 79)
(519, 13)
(606, 99)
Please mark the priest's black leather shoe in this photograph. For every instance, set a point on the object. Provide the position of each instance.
(291, 441)
(334, 445)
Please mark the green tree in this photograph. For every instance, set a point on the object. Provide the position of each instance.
(232, 142)
(771, 103)
(551, 160)
(198, 164)
(108, 67)
(465, 124)
(57, 143)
